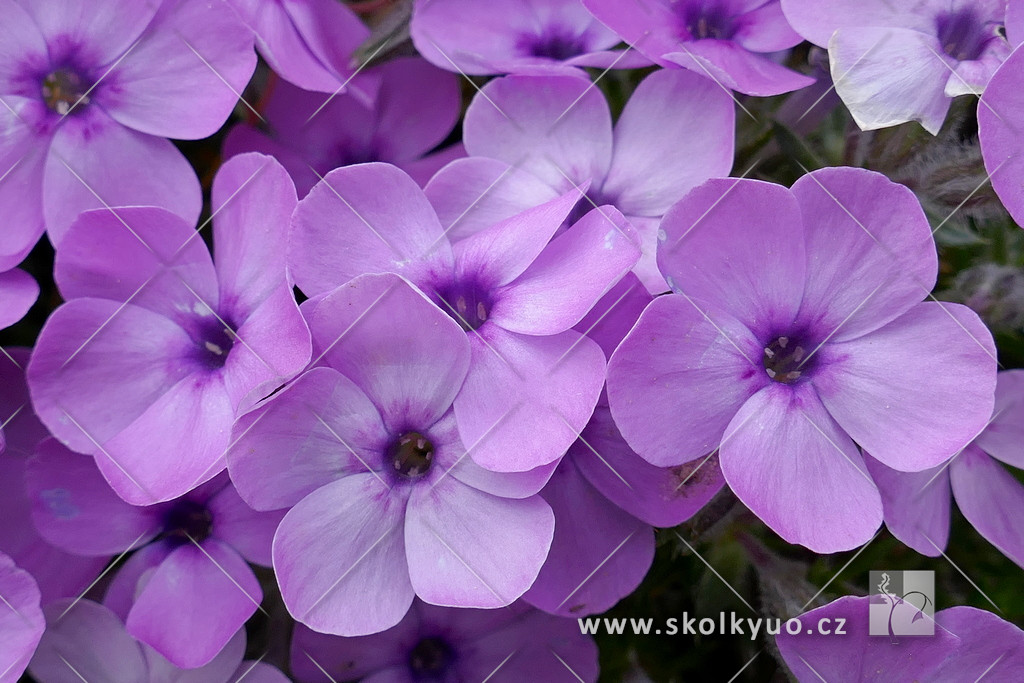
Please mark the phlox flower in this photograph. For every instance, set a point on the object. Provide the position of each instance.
(307, 42)
(58, 574)
(86, 641)
(917, 504)
(21, 619)
(443, 644)
(384, 502)
(969, 645)
(90, 88)
(533, 382)
(158, 344)
(796, 331)
(725, 40)
(606, 498)
(406, 107)
(186, 589)
(514, 36)
(532, 138)
(894, 62)
(1000, 132)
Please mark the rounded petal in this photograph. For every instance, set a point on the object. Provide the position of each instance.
(916, 505)
(989, 646)
(611, 318)
(249, 532)
(888, 76)
(21, 619)
(675, 132)
(569, 277)
(367, 218)
(870, 251)
(92, 640)
(23, 152)
(18, 291)
(999, 130)
(323, 422)
(185, 75)
(817, 20)
(733, 67)
(916, 391)
(194, 602)
(95, 162)
(74, 508)
(418, 105)
(599, 553)
(472, 194)
(1003, 438)
(791, 464)
(678, 379)
(131, 577)
(467, 548)
(408, 355)
(550, 386)
(660, 496)
(556, 127)
(104, 30)
(991, 500)
(737, 244)
(340, 558)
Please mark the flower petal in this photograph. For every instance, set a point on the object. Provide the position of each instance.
(678, 378)
(23, 151)
(791, 464)
(18, 291)
(733, 67)
(1003, 439)
(340, 558)
(21, 619)
(468, 548)
(104, 30)
(916, 391)
(92, 640)
(248, 532)
(991, 499)
(916, 505)
(999, 128)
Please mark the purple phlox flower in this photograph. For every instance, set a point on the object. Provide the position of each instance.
(728, 41)
(1001, 134)
(917, 504)
(385, 503)
(59, 574)
(18, 291)
(796, 329)
(443, 644)
(607, 499)
(307, 42)
(894, 62)
(21, 619)
(413, 107)
(515, 291)
(158, 344)
(532, 138)
(89, 91)
(85, 641)
(969, 645)
(186, 589)
(515, 36)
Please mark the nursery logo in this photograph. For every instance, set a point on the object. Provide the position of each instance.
(902, 603)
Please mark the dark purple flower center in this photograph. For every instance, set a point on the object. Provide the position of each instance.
(64, 90)
(555, 43)
(215, 340)
(467, 302)
(787, 359)
(962, 34)
(188, 521)
(587, 204)
(709, 20)
(411, 455)
(430, 657)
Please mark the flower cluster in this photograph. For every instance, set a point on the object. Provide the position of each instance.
(441, 324)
